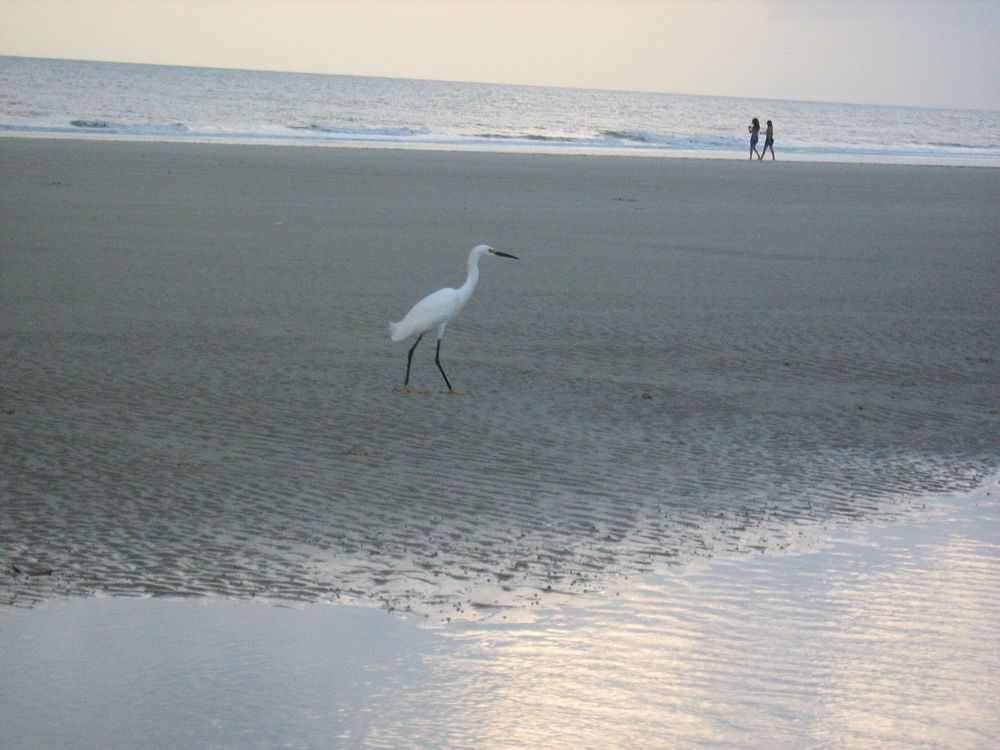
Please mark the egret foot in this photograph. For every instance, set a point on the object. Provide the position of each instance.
(407, 388)
(453, 392)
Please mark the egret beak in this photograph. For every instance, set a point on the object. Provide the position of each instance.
(504, 255)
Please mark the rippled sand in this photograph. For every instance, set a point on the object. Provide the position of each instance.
(196, 386)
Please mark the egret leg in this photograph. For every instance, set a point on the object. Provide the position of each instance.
(437, 361)
(409, 360)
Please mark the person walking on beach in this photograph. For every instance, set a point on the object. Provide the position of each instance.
(768, 141)
(754, 128)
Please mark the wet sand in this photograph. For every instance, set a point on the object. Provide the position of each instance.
(718, 479)
(197, 387)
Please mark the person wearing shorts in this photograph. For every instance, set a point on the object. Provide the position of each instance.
(754, 128)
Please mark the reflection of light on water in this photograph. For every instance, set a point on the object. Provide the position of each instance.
(606, 679)
(887, 640)
(908, 649)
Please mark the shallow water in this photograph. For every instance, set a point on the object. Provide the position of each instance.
(882, 636)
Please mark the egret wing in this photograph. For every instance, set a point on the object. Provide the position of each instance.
(430, 312)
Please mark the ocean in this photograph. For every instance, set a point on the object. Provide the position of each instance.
(115, 100)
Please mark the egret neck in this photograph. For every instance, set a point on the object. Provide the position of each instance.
(465, 291)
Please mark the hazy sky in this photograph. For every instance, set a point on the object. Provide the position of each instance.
(918, 52)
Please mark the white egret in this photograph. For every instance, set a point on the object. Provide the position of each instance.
(437, 309)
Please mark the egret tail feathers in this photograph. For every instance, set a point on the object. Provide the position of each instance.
(396, 331)
(402, 329)
(409, 325)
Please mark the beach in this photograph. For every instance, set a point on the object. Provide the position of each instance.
(691, 361)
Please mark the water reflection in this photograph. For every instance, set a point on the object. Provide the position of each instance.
(889, 639)
(883, 637)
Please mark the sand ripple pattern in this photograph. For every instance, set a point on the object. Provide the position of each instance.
(186, 416)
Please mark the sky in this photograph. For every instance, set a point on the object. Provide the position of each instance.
(936, 53)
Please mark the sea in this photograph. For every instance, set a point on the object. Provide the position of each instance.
(47, 97)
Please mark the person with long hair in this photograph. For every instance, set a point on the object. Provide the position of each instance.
(754, 128)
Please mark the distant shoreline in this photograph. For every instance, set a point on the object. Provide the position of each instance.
(613, 153)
